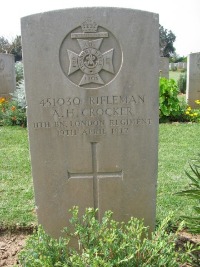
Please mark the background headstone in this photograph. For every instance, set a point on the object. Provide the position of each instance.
(171, 66)
(91, 78)
(185, 65)
(7, 75)
(193, 79)
(180, 65)
(164, 67)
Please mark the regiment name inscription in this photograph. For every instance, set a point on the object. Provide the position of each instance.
(71, 116)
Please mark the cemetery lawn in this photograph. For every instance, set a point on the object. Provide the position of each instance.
(16, 189)
(177, 144)
(174, 75)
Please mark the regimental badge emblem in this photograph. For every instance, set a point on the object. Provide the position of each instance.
(90, 55)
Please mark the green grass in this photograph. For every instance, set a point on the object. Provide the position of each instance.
(178, 143)
(174, 75)
(16, 190)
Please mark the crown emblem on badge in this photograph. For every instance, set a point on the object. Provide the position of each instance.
(89, 25)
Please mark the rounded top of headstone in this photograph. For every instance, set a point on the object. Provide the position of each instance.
(97, 9)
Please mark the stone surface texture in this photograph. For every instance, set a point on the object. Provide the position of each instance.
(91, 77)
(7, 75)
(193, 79)
(164, 67)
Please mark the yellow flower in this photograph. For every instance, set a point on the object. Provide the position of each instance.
(187, 112)
(192, 115)
(189, 108)
(195, 114)
(197, 102)
(2, 100)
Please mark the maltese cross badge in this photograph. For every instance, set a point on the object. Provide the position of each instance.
(91, 61)
(90, 56)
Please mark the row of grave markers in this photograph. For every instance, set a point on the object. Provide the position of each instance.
(178, 65)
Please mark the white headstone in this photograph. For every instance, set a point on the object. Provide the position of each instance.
(193, 79)
(171, 66)
(164, 67)
(7, 75)
(91, 78)
(180, 65)
(185, 65)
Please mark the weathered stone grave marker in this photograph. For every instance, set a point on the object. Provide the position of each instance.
(164, 67)
(171, 66)
(7, 75)
(193, 79)
(91, 78)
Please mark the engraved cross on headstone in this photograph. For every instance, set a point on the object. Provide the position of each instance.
(95, 175)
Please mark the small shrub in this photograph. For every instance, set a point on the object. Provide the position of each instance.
(19, 95)
(193, 191)
(43, 251)
(169, 104)
(3, 106)
(182, 83)
(174, 69)
(193, 115)
(19, 71)
(13, 112)
(183, 71)
(105, 244)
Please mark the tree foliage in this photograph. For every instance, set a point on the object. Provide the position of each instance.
(12, 47)
(177, 58)
(166, 40)
(16, 48)
(4, 45)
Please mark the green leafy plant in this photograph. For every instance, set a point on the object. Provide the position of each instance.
(174, 69)
(107, 243)
(3, 106)
(193, 115)
(19, 71)
(13, 112)
(193, 192)
(19, 95)
(43, 251)
(169, 104)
